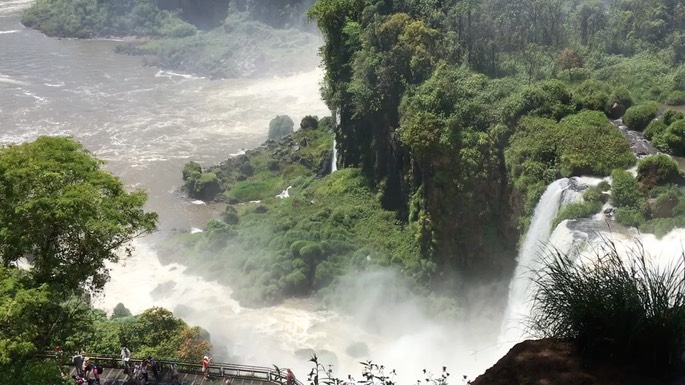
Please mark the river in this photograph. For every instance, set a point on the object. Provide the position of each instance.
(146, 124)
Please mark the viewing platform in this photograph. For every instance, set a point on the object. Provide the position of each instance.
(188, 373)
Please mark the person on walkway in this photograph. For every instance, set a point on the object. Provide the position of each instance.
(97, 371)
(205, 366)
(289, 377)
(126, 359)
(77, 361)
(154, 367)
(88, 371)
(144, 366)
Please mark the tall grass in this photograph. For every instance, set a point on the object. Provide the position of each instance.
(620, 307)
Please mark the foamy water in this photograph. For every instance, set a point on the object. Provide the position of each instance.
(406, 340)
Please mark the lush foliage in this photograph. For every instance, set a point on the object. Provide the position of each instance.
(450, 129)
(155, 332)
(91, 18)
(638, 117)
(542, 151)
(64, 214)
(657, 169)
(615, 305)
(593, 199)
(62, 218)
(198, 184)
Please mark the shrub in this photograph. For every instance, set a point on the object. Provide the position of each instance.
(671, 116)
(616, 306)
(675, 98)
(191, 168)
(592, 95)
(230, 215)
(625, 191)
(203, 186)
(309, 122)
(674, 137)
(656, 170)
(619, 101)
(577, 211)
(595, 194)
(654, 129)
(630, 217)
(280, 126)
(590, 145)
(638, 117)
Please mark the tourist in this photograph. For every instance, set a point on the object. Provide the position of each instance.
(143, 370)
(77, 361)
(126, 359)
(153, 367)
(205, 366)
(289, 378)
(88, 371)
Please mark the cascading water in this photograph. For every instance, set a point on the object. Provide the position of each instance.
(334, 159)
(581, 239)
(518, 306)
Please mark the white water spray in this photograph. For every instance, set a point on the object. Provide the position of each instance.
(518, 306)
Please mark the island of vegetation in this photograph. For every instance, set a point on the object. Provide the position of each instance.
(216, 38)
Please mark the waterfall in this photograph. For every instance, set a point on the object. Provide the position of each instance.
(520, 288)
(334, 159)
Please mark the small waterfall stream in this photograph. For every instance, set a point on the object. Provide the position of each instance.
(334, 158)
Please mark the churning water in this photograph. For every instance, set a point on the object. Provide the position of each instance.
(146, 123)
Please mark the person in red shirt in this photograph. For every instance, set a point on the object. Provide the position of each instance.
(289, 378)
(205, 366)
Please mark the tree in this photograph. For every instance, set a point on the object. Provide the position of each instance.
(120, 311)
(568, 59)
(65, 214)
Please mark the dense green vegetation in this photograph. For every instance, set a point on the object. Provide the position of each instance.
(457, 115)
(619, 307)
(269, 247)
(460, 134)
(214, 37)
(93, 18)
(62, 217)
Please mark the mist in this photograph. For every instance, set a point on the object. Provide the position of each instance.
(368, 316)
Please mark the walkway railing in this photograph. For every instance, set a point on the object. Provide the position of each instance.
(219, 369)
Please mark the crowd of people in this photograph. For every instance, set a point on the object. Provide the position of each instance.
(88, 372)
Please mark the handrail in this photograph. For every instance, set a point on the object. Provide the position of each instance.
(222, 369)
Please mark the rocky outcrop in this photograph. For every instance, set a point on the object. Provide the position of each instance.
(551, 361)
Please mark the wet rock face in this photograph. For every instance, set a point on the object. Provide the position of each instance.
(637, 142)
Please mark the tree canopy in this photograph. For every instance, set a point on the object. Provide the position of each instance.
(64, 214)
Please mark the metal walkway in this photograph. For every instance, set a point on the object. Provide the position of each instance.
(188, 373)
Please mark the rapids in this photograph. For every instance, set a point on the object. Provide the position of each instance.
(146, 124)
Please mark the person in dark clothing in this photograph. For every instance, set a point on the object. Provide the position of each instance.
(154, 367)
(77, 361)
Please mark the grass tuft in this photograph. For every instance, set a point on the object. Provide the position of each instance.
(621, 307)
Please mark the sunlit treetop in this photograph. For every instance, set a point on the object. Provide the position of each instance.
(64, 214)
